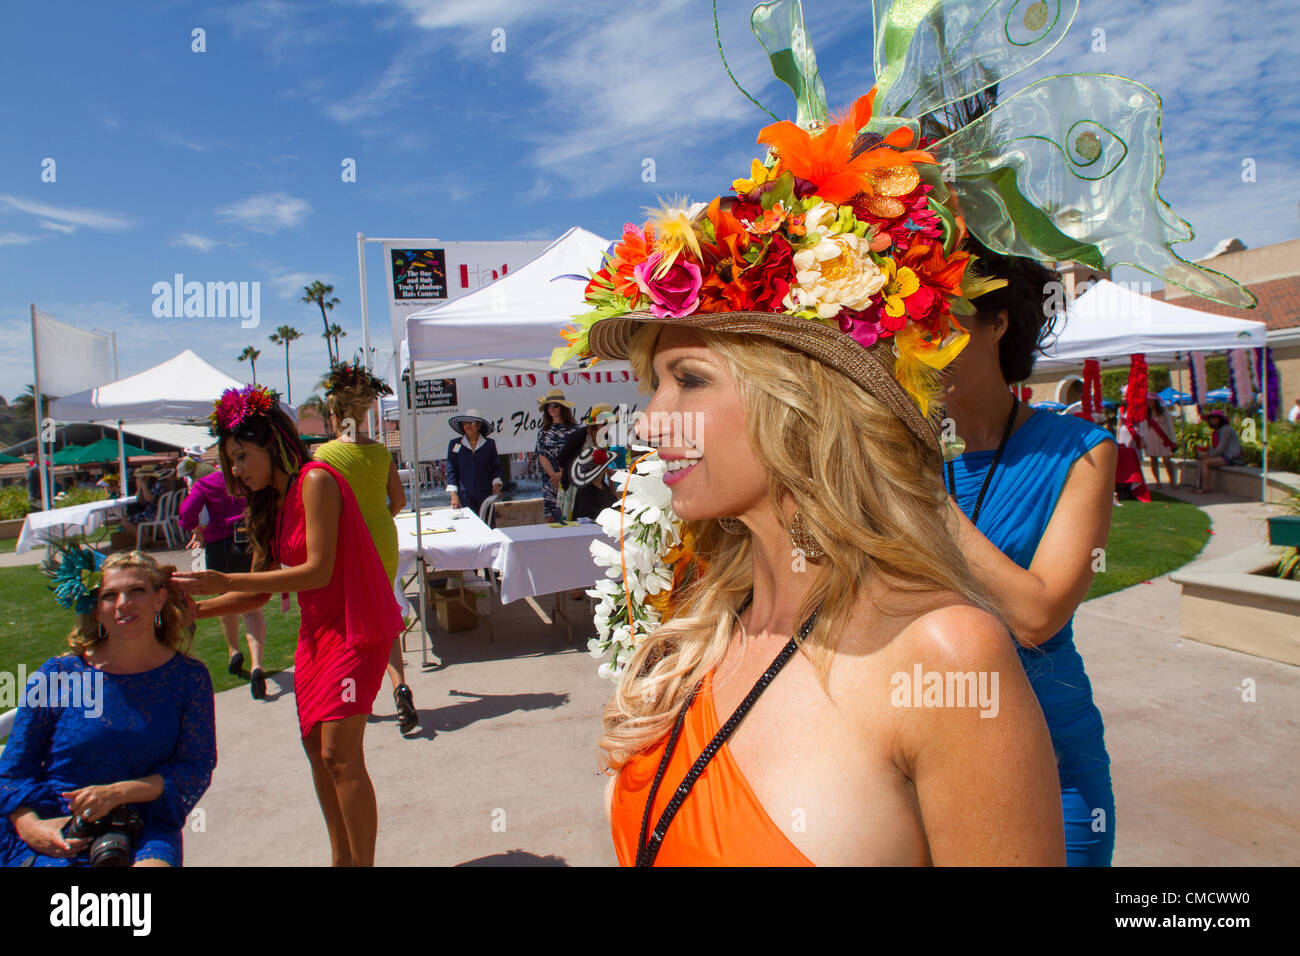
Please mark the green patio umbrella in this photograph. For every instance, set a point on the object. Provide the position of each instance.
(9, 459)
(67, 455)
(104, 450)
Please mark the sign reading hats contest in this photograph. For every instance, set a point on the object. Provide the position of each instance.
(513, 404)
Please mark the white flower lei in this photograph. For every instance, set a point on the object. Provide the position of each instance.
(649, 529)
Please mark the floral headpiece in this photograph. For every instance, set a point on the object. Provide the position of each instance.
(845, 239)
(74, 572)
(857, 223)
(237, 405)
(347, 376)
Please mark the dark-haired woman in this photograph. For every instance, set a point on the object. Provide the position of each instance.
(302, 516)
(1034, 500)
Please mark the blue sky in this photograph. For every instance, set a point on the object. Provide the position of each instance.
(225, 165)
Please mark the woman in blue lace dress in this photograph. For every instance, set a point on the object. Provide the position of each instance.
(126, 719)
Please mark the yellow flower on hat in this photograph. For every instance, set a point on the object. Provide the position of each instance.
(758, 174)
(899, 284)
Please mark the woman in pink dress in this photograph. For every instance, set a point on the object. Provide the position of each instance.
(301, 516)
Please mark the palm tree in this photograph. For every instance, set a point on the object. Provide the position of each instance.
(251, 355)
(335, 332)
(319, 292)
(283, 336)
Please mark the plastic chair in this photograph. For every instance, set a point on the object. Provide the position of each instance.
(161, 521)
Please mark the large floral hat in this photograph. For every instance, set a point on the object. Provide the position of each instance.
(845, 240)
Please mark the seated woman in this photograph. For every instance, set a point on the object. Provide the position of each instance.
(140, 732)
(1225, 451)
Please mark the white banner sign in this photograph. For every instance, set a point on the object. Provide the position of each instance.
(509, 402)
(423, 272)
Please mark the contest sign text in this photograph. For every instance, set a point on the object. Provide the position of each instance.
(509, 402)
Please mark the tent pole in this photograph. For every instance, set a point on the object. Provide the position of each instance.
(1264, 415)
(421, 570)
(365, 328)
(121, 444)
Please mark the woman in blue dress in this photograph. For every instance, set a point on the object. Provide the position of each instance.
(1034, 498)
(125, 720)
(557, 425)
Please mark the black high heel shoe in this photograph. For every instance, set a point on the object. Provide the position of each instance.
(407, 718)
(236, 663)
(257, 683)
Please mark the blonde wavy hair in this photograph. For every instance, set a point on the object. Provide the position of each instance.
(177, 627)
(860, 479)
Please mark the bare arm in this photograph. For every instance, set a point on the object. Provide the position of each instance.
(985, 776)
(321, 502)
(396, 493)
(1038, 601)
(232, 603)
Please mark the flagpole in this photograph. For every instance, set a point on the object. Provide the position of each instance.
(36, 410)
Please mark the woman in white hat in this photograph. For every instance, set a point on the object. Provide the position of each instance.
(557, 425)
(473, 466)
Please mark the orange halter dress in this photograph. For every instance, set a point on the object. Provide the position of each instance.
(720, 823)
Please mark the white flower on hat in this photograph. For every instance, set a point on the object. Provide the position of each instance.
(832, 272)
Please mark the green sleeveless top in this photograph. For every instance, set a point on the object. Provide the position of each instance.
(366, 469)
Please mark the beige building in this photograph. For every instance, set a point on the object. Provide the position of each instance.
(1272, 273)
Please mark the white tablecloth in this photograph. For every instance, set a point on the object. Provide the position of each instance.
(83, 518)
(537, 559)
(470, 544)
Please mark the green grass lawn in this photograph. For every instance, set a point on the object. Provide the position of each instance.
(33, 629)
(1149, 540)
(7, 545)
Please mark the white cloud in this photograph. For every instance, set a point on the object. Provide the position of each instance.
(290, 285)
(191, 240)
(266, 213)
(16, 238)
(66, 219)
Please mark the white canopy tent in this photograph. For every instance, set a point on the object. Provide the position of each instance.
(179, 391)
(1110, 322)
(511, 325)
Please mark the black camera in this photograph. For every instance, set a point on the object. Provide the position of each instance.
(113, 836)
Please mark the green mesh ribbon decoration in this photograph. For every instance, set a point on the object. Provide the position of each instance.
(1066, 169)
(779, 28)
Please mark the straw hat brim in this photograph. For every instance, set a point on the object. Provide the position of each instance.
(872, 369)
(547, 400)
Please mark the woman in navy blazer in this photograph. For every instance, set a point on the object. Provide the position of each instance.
(473, 466)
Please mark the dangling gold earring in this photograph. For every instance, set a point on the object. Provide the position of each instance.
(802, 538)
(733, 525)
